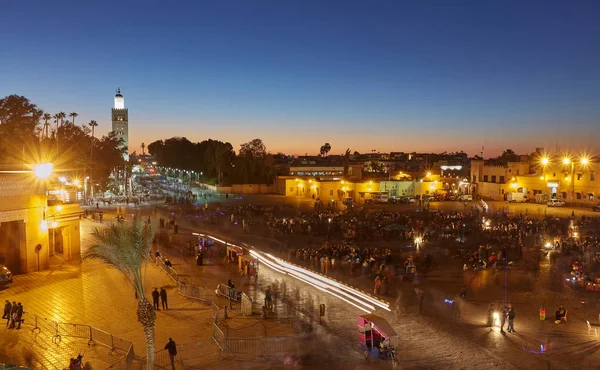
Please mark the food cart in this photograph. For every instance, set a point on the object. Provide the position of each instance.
(377, 338)
(233, 251)
(248, 265)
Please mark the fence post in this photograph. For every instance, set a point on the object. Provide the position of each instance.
(91, 340)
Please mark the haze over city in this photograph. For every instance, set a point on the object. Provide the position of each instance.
(389, 76)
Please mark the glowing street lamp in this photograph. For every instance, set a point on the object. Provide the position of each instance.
(545, 161)
(43, 170)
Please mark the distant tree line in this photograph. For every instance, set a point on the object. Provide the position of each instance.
(217, 160)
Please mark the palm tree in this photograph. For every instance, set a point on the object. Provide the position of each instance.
(62, 116)
(93, 125)
(325, 149)
(46, 118)
(126, 248)
(56, 120)
(73, 115)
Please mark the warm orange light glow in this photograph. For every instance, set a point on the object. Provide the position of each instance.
(428, 174)
(42, 170)
(566, 160)
(545, 161)
(585, 161)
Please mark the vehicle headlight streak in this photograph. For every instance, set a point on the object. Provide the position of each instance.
(338, 290)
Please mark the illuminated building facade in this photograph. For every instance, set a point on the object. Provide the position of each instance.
(31, 228)
(120, 121)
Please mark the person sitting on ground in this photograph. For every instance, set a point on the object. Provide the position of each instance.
(561, 314)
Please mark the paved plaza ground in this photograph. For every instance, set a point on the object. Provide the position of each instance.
(91, 294)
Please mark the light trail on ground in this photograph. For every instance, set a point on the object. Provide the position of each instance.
(344, 292)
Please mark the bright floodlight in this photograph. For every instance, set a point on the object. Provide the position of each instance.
(585, 161)
(545, 161)
(42, 170)
(566, 160)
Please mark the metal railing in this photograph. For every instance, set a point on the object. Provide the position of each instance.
(219, 337)
(192, 291)
(190, 354)
(125, 362)
(57, 330)
(246, 306)
(167, 269)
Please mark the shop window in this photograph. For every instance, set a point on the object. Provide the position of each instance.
(502, 191)
(554, 174)
(564, 195)
(330, 192)
(565, 175)
(485, 178)
(474, 178)
(578, 195)
(579, 176)
(590, 196)
(592, 176)
(493, 178)
(502, 179)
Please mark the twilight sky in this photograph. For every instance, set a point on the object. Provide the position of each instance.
(442, 75)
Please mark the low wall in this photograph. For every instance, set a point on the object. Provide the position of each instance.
(253, 189)
(224, 189)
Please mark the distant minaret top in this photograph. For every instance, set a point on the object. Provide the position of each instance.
(119, 100)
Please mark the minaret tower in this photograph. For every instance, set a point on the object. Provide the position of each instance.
(120, 121)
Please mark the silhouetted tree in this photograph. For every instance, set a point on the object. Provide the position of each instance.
(325, 149)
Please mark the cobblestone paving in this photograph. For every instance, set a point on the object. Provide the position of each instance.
(95, 295)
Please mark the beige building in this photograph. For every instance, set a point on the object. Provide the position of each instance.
(358, 191)
(574, 182)
(540, 178)
(30, 230)
(492, 180)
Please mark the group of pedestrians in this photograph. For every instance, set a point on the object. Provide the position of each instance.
(163, 299)
(506, 314)
(13, 314)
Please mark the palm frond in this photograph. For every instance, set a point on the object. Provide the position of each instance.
(124, 247)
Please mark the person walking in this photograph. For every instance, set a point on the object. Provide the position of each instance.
(171, 346)
(9, 318)
(421, 299)
(503, 314)
(7, 308)
(163, 299)
(511, 319)
(377, 285)
(268, 299)
(155, 295)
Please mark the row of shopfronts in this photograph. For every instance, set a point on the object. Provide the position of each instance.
(339, 190)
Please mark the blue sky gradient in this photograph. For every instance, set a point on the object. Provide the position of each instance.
(384, 75)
